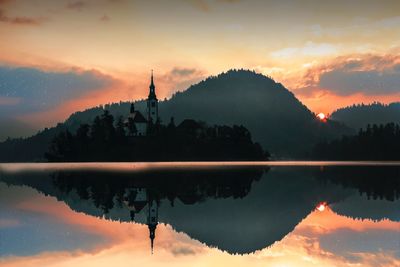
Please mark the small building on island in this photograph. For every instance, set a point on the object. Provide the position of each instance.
(136, 124)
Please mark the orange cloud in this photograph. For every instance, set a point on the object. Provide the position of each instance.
(348, 80)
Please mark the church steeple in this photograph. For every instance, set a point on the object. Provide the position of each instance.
(152, 221)
(152, 93)
(152, 102)
(152, 230)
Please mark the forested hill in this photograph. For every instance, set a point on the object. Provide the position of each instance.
(273, 115)
(359, 116)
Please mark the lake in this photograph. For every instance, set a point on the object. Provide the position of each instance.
(200, 213)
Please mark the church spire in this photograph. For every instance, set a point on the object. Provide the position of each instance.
(152, 230)
(152, 93)
(152, 81)
(152, 102)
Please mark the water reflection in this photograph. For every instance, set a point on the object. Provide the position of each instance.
(239, 210)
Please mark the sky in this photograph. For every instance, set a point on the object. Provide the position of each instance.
(38, 230)
(58, 57)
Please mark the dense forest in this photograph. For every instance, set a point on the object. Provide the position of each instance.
(106, 140)
(274, 116)
(376, 142)
(360, 115)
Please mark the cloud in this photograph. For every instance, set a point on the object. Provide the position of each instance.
(76, 5)
(182, 71)
(105, 18)
(19, 20)
(309, 49)
(345, 82)
(182, 251)
(371, 75)
(180, 78)
(353, 244)
(28, 90)
(204, 6)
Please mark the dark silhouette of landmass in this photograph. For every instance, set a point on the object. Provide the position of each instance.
(377, 142)
(359, 116)
(190, 141)
(274, 116)
(375, 182)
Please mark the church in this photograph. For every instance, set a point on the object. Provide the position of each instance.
(136, 123)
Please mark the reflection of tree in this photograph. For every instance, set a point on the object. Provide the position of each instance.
(108, 189)
(375, 182)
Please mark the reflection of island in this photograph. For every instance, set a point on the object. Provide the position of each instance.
(222, 208)
(373, 181)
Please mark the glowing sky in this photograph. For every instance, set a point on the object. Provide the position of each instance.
(329, 53)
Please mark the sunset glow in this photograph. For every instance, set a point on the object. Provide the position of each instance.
(321, 116)
(322, 206)
(323, 52)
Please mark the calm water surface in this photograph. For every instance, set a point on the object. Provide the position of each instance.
(203, 214)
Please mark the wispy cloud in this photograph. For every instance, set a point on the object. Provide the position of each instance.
(76, 5)
(105, 18)
(309, 49)
(19, 20)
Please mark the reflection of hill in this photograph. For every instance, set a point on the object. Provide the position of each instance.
(381, 184)
(216, 207)
(358, 207)
(220, 207)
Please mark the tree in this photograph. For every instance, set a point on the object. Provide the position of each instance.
(132, 130)
(120, 128)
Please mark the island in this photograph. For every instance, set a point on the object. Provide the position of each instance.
(137, 138)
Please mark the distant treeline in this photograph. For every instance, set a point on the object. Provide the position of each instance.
(360, 115)
(376, 142)
(106, 140)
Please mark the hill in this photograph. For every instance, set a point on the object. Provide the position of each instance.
(359, 116)
(274, 116)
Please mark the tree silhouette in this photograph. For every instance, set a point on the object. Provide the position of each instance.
(191, 140)
(376, 142)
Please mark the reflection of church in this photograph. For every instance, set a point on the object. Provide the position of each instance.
(136, 123)
(136, 199)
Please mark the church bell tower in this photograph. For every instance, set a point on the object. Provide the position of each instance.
(152, 102)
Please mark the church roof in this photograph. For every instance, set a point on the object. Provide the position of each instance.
(137, 117)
